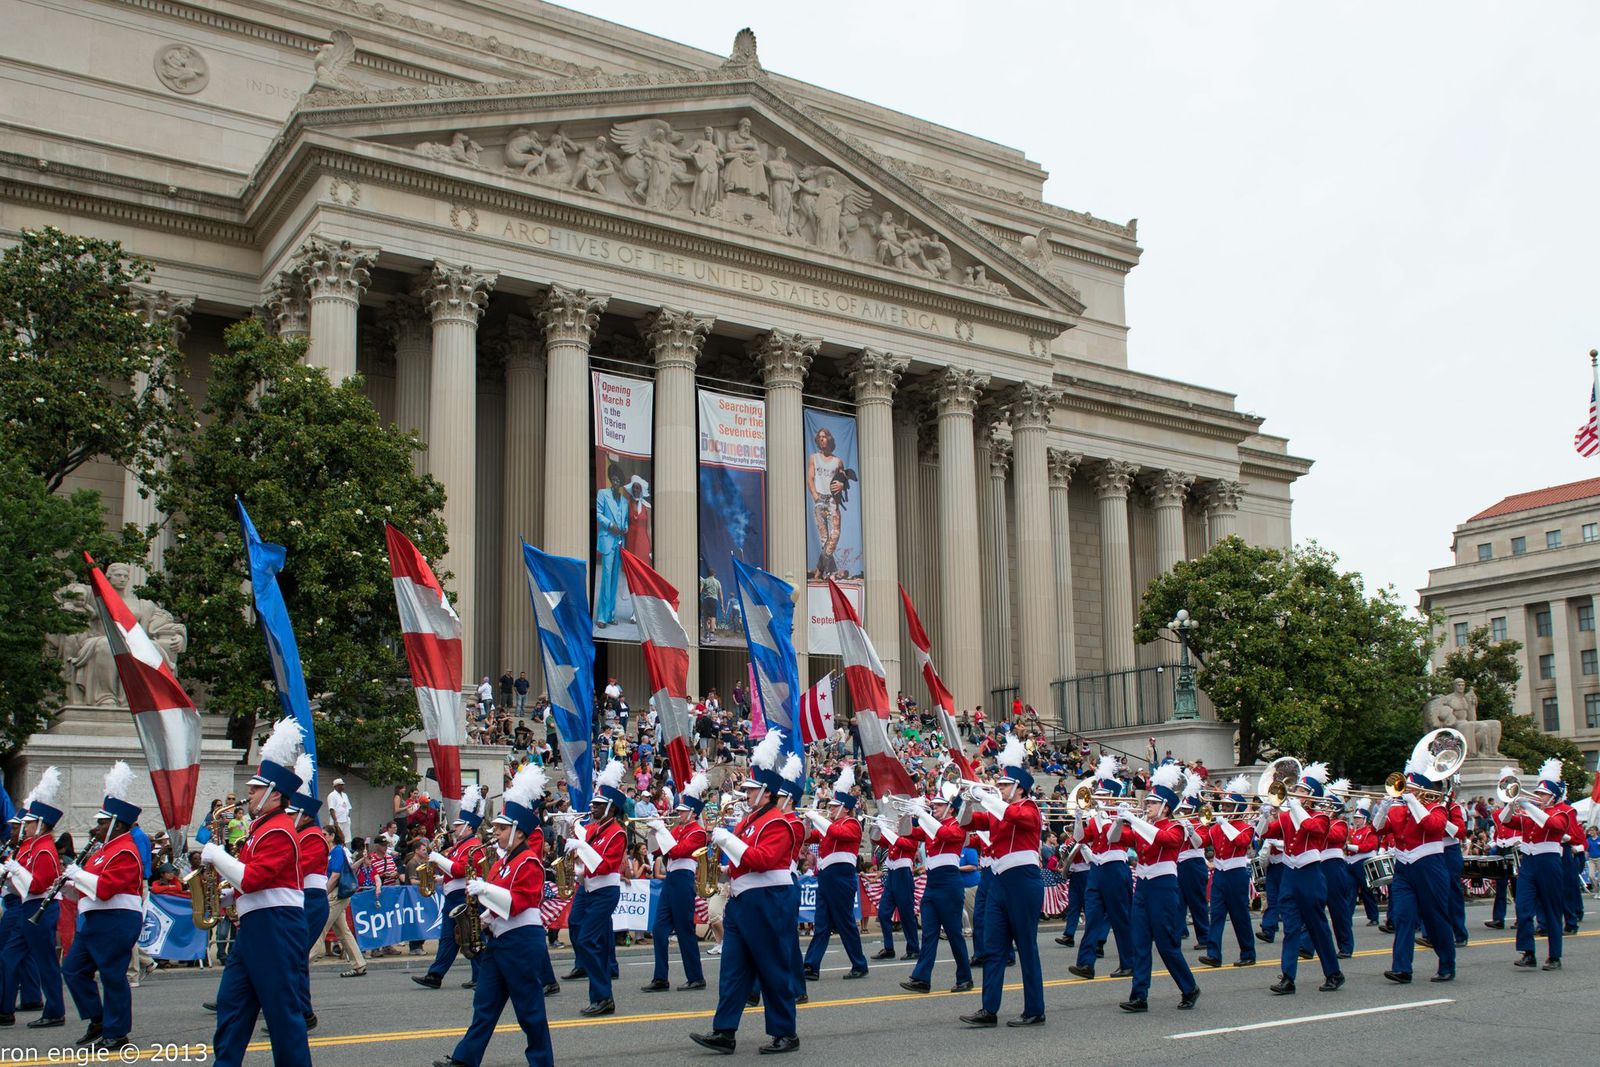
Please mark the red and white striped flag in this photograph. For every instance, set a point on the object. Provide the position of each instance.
(816, 712)
(869, 691)
(163, 714)
(432, 633)
(1587, 439)
(666, 659)
(942, 700)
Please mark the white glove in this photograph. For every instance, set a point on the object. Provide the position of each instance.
(1450, 828)
(88, 884)
(230, 867)
(1297, 812)
(887, 831)
(440, 860)
(1143, 828)
(657, 825)
(929, 824)
(993, 804)
(1535, 812)
(211, 851)
(817, 819)
(573, 844)
(664, 841)
(729, 842)
(476, 886)
(497, 898)
(19, 877)
(590, 858)
(1419, 811)
(580, 830)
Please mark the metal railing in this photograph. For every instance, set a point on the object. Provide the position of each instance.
(1140, 697)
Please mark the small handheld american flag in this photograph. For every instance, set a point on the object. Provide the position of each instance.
(1587, 439)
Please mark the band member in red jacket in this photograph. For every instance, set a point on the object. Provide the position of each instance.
(1157, 904)
(457, 866)
(28, 938)
(600, 844)
(1231, 837)
(675, 916)
(942, 838)
(1361, 846)
(1303, 832)
(1539, 878)
(1420, 888)
(837, 836)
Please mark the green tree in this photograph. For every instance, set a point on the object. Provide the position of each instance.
(1493, 668)
(43, 536)
(82, 374)
(320, 474)
(1294, 650)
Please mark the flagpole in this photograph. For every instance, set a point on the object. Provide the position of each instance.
(1594, 367)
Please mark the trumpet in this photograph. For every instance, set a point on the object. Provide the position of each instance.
(1394, 787)
(1508, 789)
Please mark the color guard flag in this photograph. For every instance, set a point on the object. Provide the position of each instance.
(163, 714)
(432, 633)
(666, 660)
(266, 560)
(559, 592)
(816, 712)
(869, 691)
(767, 604)
(942, 699)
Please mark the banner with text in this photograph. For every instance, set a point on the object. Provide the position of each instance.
(833, 523)
(401, 914)
(624, 428)
(733, 509)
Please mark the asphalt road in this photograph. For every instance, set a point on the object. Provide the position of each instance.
(1491, 1013)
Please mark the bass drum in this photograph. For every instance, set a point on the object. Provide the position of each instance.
(1379, 870)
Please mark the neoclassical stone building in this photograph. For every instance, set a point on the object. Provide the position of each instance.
(474, 205)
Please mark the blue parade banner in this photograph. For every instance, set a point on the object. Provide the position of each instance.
(169, 931)
(402, 914)
(768, 609)
(557, 591)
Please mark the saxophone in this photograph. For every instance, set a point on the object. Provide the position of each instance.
(205, 885)
(424, 871)
(566, 875)
(468, 917)
(707, 875)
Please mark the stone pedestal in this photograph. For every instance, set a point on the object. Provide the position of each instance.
(1480, 774)
(1210, 742)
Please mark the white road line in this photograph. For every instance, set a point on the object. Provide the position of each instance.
(1309, 1019)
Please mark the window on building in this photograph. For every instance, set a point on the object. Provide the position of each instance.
(1485, 552)
(1552, 715)
(1461, 635)
(1497, 628)
(1591, 531)
(1541, 622)
(1586, 618)
(1547, 666)
(1591, 710)
(1591, 760)
(1552, 539)
(1519, 545)
(1590, 661)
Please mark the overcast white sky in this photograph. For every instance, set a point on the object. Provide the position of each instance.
(1375, 222)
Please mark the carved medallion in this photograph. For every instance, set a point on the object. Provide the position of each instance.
(182, 68)
(464, 218)
(344, 192)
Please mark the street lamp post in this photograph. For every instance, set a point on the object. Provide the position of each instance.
(1185, 705)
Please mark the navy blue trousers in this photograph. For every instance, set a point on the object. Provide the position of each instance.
(1363, 892)
(899, 896)
(1572, 885)
(316, 913)
(260, 981)
(1539, 897)
(836, 903)
(508, 969)
(1077, 889)
(445, 956)
(1011, 920)
(1304, 914)
(980, 900)
(1341, 903)
(1193, 877)
(1109, 900)
(1230, 902)
(28, 959)
(942, 898)
(1155, 902)
(1456, 892)
(103, 949)
(594, 940)
(753, 931)
(1418, 894)
(1272, 911)
(675, 918)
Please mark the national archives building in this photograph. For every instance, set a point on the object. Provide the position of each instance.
(635, 295)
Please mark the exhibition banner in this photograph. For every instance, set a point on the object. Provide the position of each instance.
(624, 428)
(833, 523)
(733, 508)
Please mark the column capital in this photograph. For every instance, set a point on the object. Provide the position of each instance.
(999, 458)
(874, 375)
(159, 306)
(1032, 405)
(569, 315)
(1223, 496)
(285, 302)
(335, 267)
(675, 337)
(784, 357)
(1062, 463)
(1166, 488)
(957, 390)
(457, 293)
(1113, 478)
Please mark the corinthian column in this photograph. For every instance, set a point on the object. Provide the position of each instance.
(523, 483)
(455, 297)
(675, 339)
(1112, 480)
(1031, 408)
(927, 591)
(1166, 490)
(911, 520)
(874, 376)
(158, 307)
(1062, 464)
(997, 564)
(960, 605)
(334, 273)
(410, 331)
(569, 318)
(1222, 509)
(284, 302)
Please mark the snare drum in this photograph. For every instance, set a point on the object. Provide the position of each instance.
(1379, 871)
(1487, 867)
(1258, 873)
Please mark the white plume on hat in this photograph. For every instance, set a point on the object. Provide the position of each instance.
(1239, 783)
(472, 799)
(1339, 786)
(1107, 768)
(766, 754)
(1419, 764)
(304, 769)
(1014, 754)
(1317, 772)
(1511, 772)
(792, 767)
(283, 743)
(1168, 775)
(847, 779)
(697, 785)
(1192, 784)
(119, 779)
(527, 788)
(610, 778)
(46, 790)
(1550, 770)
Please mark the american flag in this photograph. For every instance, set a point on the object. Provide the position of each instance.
(1055, 893)
(1587, 439)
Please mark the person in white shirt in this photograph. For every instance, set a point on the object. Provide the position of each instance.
(339, 808)
(485, 693)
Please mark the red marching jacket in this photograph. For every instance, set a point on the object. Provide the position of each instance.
(39, 856)
(687, 839)
(522, 872)
(840, 844)
(313, 858)
(611, 841)
(466, 857)
(271, 858)
(769, 839)
(1014, 836)
(121, 872)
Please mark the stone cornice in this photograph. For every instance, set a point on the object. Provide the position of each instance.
(1128, 231)
(1134, 405)
(1273, 466)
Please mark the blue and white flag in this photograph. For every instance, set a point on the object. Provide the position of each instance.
(556, 587)
(767, 604)
(169, 932)
(7, 809)
(266, 560)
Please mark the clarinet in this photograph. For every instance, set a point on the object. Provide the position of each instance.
(61, 883)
